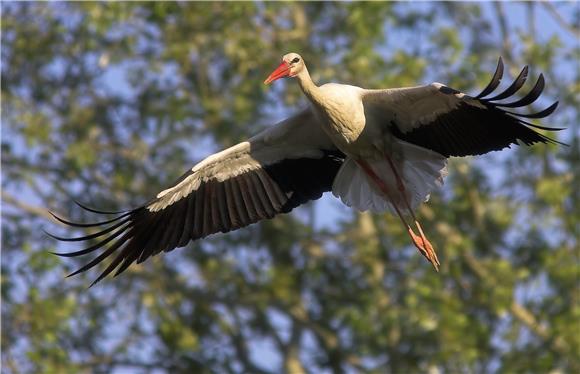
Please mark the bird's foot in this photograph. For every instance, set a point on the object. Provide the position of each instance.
(425, 248)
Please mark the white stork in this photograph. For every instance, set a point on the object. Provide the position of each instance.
(378, 150)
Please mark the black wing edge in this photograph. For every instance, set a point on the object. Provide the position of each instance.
(138, 234)
(529, 98)
(119, 230)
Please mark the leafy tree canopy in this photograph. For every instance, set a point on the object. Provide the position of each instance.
(108, 103)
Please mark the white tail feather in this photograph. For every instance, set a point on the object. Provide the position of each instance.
(421, 170)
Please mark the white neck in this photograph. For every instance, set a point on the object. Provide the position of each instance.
(310, 89)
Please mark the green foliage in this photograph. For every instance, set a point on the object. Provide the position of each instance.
(110, 102)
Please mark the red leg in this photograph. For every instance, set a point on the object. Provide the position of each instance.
(382, 186)
(427, 246)
(422, 244)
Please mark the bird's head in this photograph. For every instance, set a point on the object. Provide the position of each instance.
(292, 64)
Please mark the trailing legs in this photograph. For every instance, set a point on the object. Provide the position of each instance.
(420, 241)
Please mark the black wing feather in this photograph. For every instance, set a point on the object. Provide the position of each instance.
(513, 88)
(473, 130)
(216, 206)
(530, 97)
(494, 81)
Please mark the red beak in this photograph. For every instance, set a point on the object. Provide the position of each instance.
(281, 71)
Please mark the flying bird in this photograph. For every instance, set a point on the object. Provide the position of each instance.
(375, 149)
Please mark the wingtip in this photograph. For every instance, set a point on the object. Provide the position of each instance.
(87, 208)
(47, 233)
(59, 238)
(524, 73)
(541, 81)
(54, 216)
(530, 97)
(94, 282)
(500, 66)
(495, 80)
(512, 89)
(72, 274)
(59, 254)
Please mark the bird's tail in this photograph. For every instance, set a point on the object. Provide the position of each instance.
(420, 169)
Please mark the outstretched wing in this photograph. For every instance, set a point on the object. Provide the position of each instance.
(454, 124)
(274, 172)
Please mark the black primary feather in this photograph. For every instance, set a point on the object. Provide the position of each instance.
(472, 130)
(138, 234)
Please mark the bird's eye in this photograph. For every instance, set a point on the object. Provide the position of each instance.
(296, 60)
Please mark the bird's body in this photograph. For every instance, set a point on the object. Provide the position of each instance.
(379, 150)
(343, 118)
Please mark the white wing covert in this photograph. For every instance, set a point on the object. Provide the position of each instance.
(277, 170)
(452, 123)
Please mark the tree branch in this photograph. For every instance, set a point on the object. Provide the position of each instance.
(31, 209)
(501, 18)
(518, 311)
(292, 363)
(561, 21)
(239, 343)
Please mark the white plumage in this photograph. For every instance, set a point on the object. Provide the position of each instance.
(378, 150)
(421, 170)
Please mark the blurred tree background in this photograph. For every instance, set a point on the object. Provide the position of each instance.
(108, 103)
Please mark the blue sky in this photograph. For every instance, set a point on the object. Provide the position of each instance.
(328, 209)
